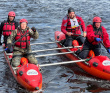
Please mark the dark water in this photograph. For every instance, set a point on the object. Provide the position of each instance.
(46, 16)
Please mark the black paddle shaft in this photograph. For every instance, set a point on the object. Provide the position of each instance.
(103, 45)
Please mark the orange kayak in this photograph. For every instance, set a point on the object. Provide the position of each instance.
(27, 75)
(97, 66)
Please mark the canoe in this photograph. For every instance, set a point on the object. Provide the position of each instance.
(97, 66)
(26, 74)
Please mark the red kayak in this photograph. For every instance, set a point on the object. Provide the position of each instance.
(98, 66)
(26, 74)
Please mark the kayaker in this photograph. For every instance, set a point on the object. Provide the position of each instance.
(22, 46)
(95, 35)
(7, 26)
(71, 24)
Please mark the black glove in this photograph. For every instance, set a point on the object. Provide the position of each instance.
(33, 29)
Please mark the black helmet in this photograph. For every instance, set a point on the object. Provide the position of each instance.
(70, 10)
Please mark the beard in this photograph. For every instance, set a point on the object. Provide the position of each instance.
(71, 17)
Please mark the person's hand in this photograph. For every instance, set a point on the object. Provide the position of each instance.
(84, 33)
(9, 48)
(9, 45)
(108, 50)
(97, 39)
(33, 29)
(69, 33)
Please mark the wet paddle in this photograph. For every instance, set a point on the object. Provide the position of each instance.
(103, 45)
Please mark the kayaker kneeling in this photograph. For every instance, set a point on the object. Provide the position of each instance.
(7, 26)
(22, 46)
(95, 35)
(71, 28)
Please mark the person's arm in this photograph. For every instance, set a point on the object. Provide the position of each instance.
(83, 27)
(64, 25)
(34, 33)
(11, 37)
(90, 33)
(106, 40)
(82, 23)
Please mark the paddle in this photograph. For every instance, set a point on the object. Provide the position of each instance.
(103, 45)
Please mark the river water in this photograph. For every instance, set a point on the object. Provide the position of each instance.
(46, 16)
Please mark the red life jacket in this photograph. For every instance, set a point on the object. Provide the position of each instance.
(98, 33)
(73, 30)
(94, 33)
(7, 28)
(25, 41)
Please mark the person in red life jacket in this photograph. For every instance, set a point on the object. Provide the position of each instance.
(95, 35)
(22, 47)
(71, 28)
(8, 26)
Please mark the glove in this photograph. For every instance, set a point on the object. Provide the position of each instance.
(108, 50)
(9, 45)
(9, 48)
(33, 29)
(97, 39)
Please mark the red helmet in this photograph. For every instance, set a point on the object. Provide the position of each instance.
(11, 13)
(97, 19)
(23, 20)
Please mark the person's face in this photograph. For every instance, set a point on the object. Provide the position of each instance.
(23, 25)
(71, 15)
(11, 18)
(97, 24)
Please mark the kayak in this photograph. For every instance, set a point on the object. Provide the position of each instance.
(26, 74)
(97, 66)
